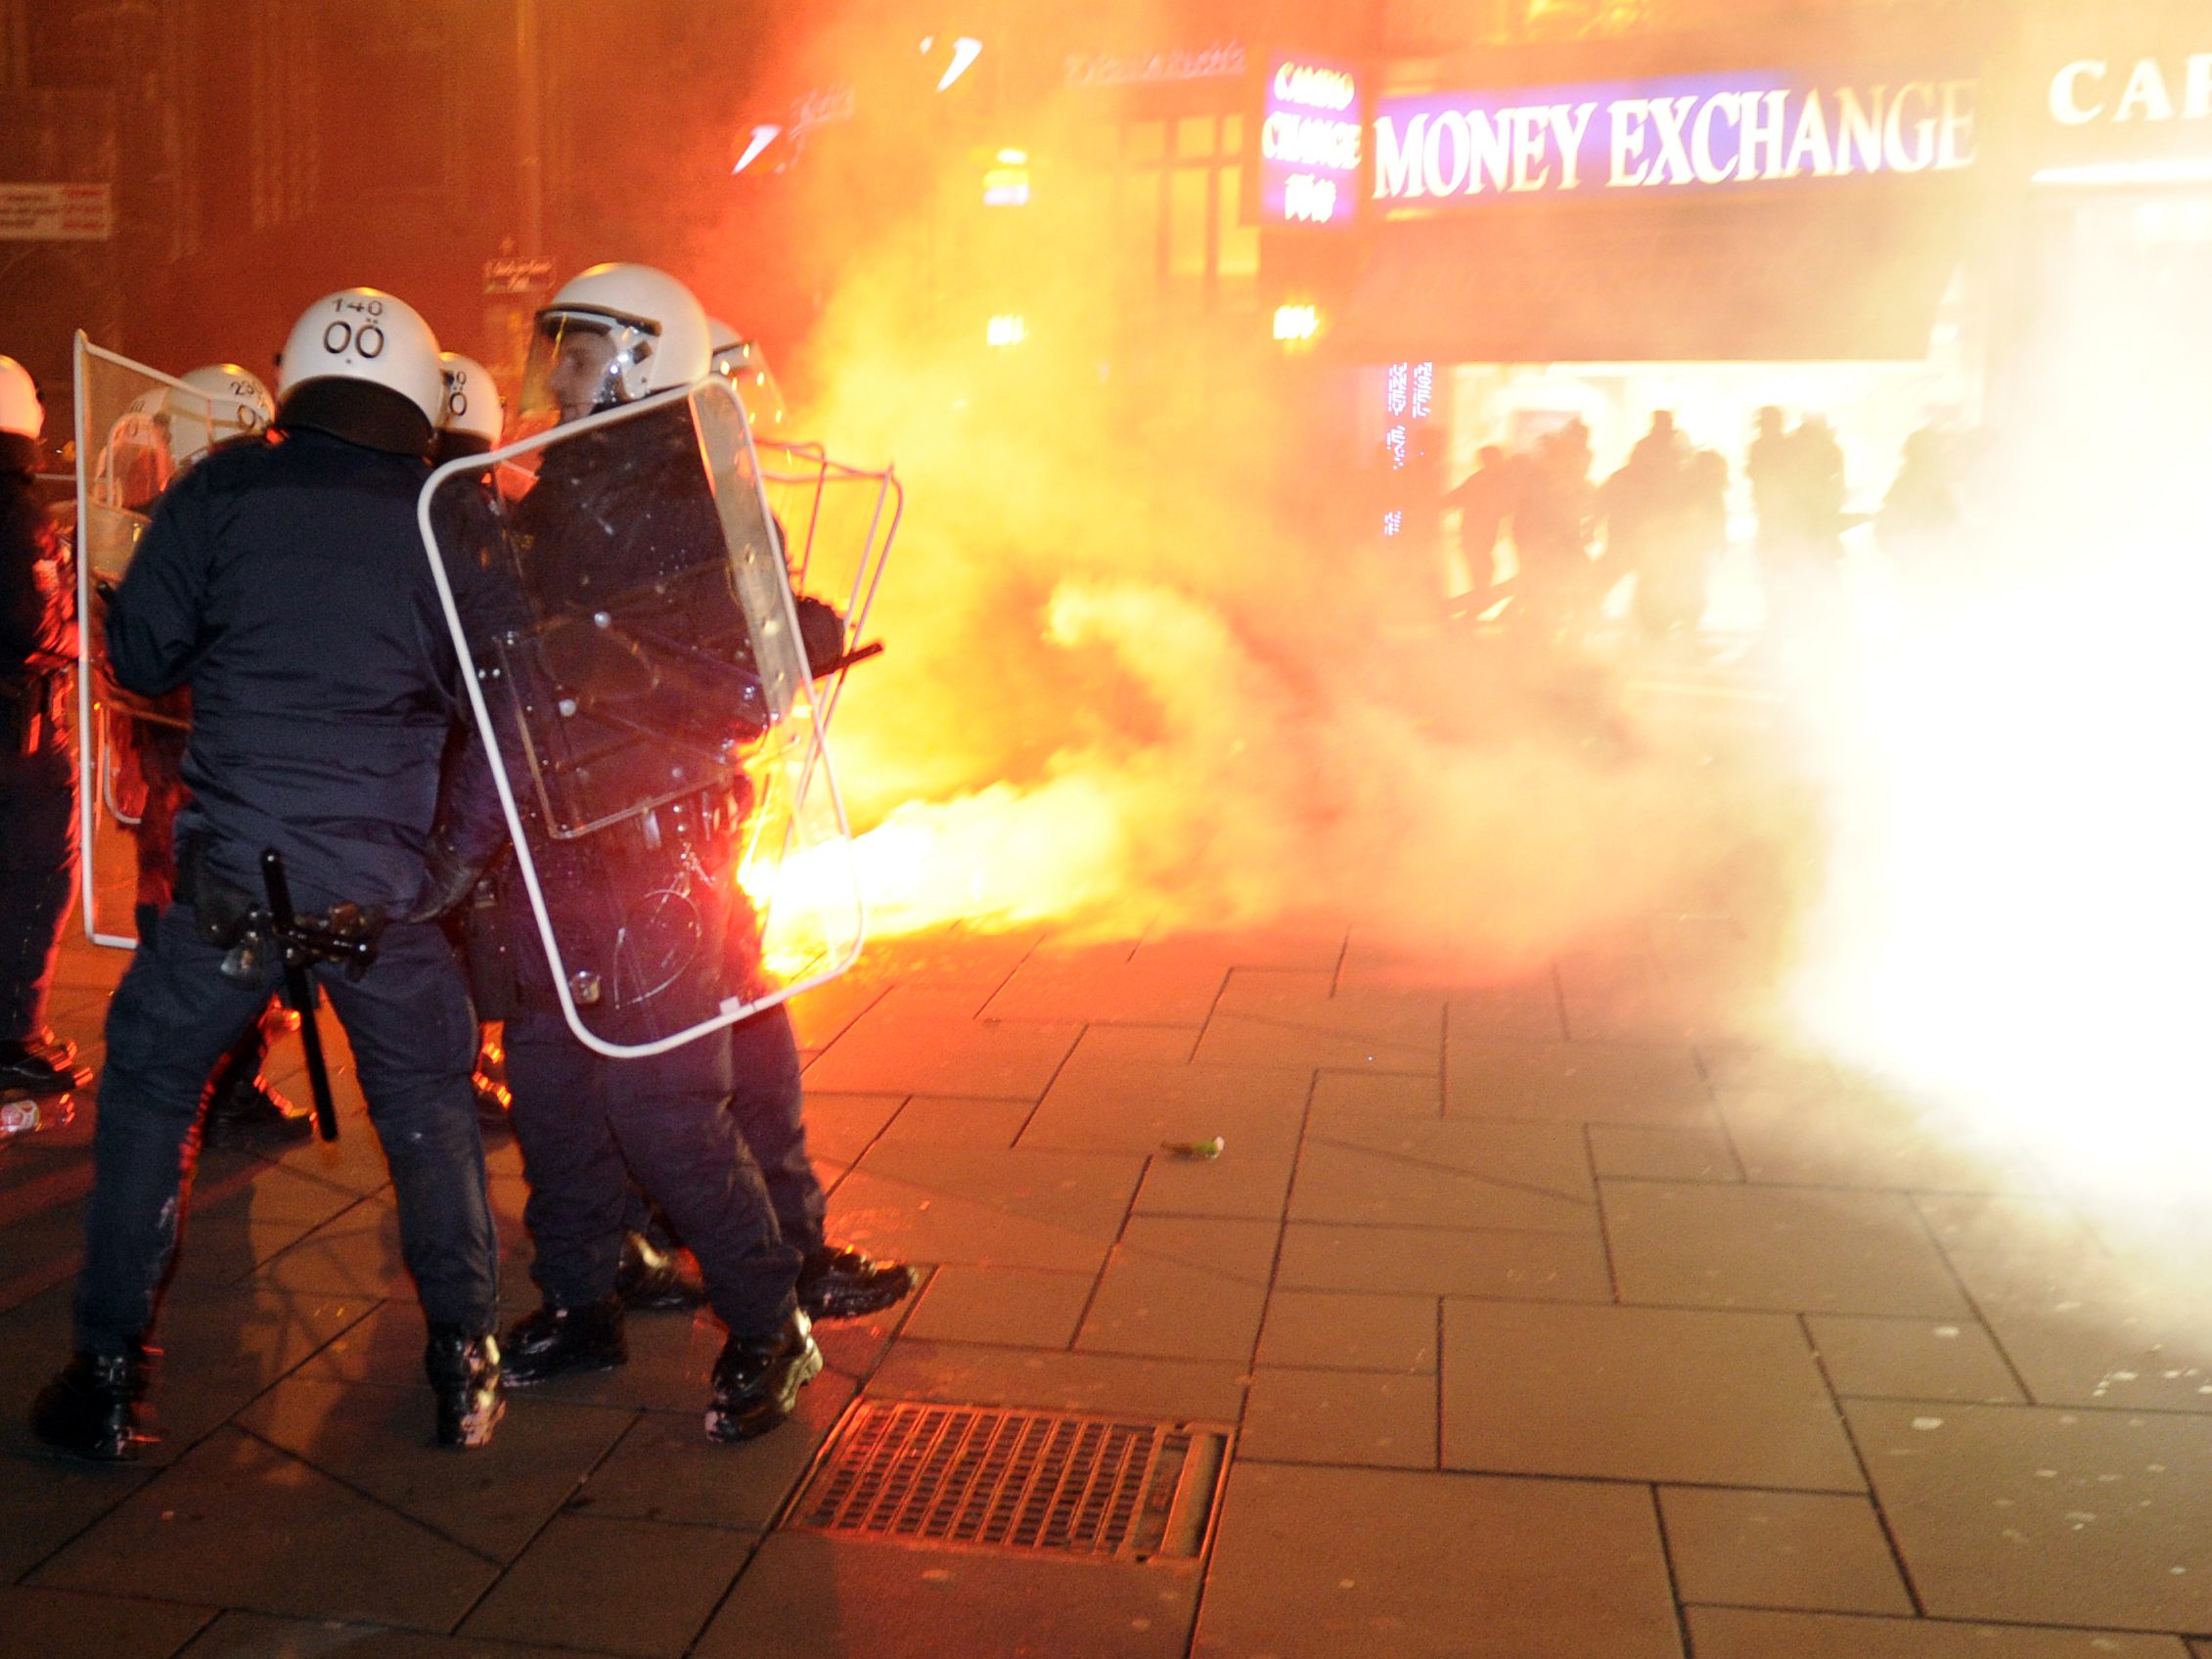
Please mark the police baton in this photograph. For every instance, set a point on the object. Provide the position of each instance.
(299, 993)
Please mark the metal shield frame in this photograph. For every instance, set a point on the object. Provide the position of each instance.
(95, 780)
(799, 762)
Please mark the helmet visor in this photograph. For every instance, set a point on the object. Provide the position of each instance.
(577, 368)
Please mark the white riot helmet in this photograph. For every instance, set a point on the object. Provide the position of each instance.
(472, 409)
(22, 411)
(743, 363)
(232, 403)
(612, 335)
(365, 335)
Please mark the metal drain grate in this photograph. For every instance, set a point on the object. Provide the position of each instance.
(993, 1478)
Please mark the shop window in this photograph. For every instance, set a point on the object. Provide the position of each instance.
(1237, 264)
(1193, 138)
(1188, 222)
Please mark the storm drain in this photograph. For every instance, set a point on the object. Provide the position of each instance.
(991, 1478)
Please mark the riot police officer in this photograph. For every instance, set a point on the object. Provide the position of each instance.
(610, 511)
(174, 431)
(285, 584)
(38, 774)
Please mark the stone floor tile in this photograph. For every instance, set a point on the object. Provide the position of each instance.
(1977, 1224)
(1645, 1085)
(1307, 1002)
(1523, 1012)
(1429, 1261)
(907, 1222)
(1242, 1250)
(959, 1373)
(1316, 1563)
(1112, 1046)
(666, 1469)
(1784, 1248)
(839, 1127)
(1368, 1331)
(821, 1015)
(1813, 1551)
(1294, 1035)
(2093, 1329)
(1547, 1158)
(1149, 1305)
(255, 1636)
(1018, 1307)
(1537, 1187)
(1640, 1394)
(2093, 1518)
(318, 1550)
(1730, 1633)
(1248, 1181)
(613, 1586)
(1109, 1099)
(1339, 1416)
(356, 1253)
(1911, 1359)
(1290, 948)
(1766, 1068)
(63, 1623)
(1082, 1193)
(220, 1348)
(1619, 1152)
(931, 1121)
(888, 1054)
(49, 1501)
(1103, 988)
(806, 1595)
(377, 1440)
(1857, 1138)
(1364, 1094)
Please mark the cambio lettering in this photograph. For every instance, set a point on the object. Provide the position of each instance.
(1309, 141)
(1685, 134)
(2148, 90)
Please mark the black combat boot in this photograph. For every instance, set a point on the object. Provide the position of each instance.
(838, 1283)
(242, 1108)
(50, 1043)
(91, 1409)
(554, 1341)
(463, 1372)
(34, 1071)
(652, 1278)
(757, 1379)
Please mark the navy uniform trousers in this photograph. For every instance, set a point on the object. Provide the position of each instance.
(587, 1125)
(414, 1040)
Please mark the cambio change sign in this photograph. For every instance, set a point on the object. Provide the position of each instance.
(1691, 132)
(1309, 143)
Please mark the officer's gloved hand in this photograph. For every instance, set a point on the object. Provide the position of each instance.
(448, 874)
(822, 631)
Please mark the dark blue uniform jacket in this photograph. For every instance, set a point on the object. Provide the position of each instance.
(286, 583)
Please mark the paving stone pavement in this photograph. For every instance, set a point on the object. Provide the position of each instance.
(1556, 1317)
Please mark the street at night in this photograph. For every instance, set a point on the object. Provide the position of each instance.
(1213, 829)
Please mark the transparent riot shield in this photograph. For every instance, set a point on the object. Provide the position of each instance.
(129, 750)
(616, 588)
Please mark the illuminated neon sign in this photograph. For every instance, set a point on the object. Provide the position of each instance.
(1691, 132)
(1310, 139)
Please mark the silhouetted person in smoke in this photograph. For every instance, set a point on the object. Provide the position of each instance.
(1816, 471)
(1661, 517)
(1486, 499)
(1921, 514)
(1558, 585)
(1773, 500)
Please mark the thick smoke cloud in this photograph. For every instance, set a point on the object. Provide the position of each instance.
(1130, 684)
